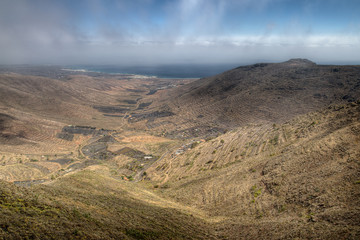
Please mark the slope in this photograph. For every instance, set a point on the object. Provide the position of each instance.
(260, 93)
(299, 179)
(92, 205)
(274, 174)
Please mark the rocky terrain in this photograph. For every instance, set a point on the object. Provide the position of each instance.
(266, 151)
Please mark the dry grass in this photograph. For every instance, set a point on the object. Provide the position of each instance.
(303, 172)
(92, 205)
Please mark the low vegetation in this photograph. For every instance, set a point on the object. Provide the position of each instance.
(90, 205)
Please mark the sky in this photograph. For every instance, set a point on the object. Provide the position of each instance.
(154, 32)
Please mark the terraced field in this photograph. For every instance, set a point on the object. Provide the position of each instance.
(287, 172)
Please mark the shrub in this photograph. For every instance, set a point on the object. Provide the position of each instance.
(255, 191)
(193, 145)
(165, 186)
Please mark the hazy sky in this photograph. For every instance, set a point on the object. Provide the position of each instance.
(178, 31)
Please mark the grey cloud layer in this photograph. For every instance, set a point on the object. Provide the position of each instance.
(42, 31)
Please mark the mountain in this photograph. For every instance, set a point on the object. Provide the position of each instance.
(266, 151)
(259, 93)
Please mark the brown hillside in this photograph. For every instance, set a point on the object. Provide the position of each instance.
(298, 179)
(34, 109)
(267, 151)
(92, 205)
(259, 93)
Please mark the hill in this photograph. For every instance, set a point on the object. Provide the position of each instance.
(259, 93)
(299, 179)
(34, 109)
(92, 205)
(266, 151)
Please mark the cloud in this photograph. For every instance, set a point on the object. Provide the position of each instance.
(191, 31)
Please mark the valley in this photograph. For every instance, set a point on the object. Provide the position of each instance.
(265, 151)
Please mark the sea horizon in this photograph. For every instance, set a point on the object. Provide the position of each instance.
(159, 71)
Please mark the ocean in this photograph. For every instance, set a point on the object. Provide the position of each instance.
(160, 71)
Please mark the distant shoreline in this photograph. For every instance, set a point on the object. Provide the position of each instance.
(163, 71)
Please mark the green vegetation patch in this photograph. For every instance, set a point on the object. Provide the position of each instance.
(256, 191)
(275, 140)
